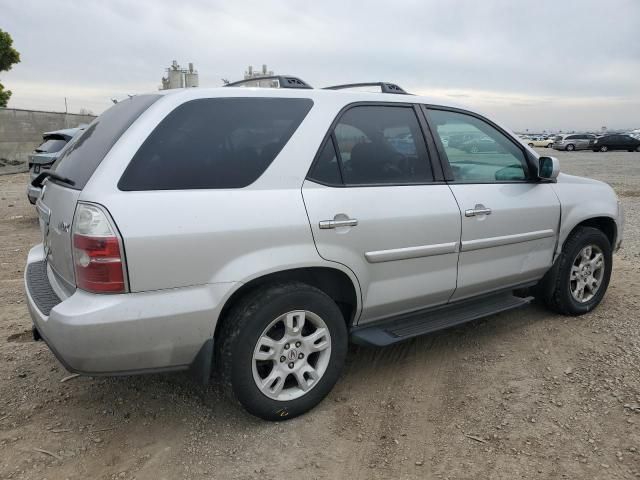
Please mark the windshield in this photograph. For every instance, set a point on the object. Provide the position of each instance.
(80, 160)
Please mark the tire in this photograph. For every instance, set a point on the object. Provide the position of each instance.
(556, 287)
(604, 148)
(570, 148)
(475, 149)
(638, 148)
(548, 145)
(249, 321)
(531, 145)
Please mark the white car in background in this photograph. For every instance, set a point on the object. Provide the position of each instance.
(545, 142)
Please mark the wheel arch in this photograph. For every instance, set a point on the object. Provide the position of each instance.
(337, 284)
(605, 224)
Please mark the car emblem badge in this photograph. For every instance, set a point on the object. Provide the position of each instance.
(64, 226)
(293, 355)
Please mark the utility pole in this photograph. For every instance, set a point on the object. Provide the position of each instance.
(65, 105)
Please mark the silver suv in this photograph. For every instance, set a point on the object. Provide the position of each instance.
(574, 141)
(249, 234)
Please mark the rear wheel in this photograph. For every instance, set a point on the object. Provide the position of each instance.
(531, 145)
(604, 148)
(580, 276)
(281, 350)
(571, 147)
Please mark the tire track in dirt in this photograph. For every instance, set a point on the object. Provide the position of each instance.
(394, 394)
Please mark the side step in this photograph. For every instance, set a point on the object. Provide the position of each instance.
(404, 327)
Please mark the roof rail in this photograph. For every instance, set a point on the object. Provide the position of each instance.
(284, 81)
(385, 87)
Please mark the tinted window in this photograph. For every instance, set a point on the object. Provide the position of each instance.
(51, 145)
(214, 143)
(326, 170)
(81, 159)
(487, 156)
(382, 145)
(571, 137)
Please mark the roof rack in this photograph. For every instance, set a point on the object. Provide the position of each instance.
(283, 81)
(385, 87)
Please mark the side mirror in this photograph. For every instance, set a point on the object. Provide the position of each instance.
(548, 168)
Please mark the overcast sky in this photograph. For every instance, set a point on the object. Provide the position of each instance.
(556, 64)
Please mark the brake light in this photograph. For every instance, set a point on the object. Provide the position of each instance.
(97, 254)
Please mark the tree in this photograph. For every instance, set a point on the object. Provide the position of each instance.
(8, 57)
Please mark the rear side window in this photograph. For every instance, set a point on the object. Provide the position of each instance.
(382, 145)
(327, 170)
(214, 143)
(80, 160)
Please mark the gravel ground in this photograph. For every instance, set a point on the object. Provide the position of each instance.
(523, 394)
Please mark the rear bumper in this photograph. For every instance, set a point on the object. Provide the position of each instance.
(33, 193)
(127, 333)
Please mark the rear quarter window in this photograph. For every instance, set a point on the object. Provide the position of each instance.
(214, 143)
(80, 160)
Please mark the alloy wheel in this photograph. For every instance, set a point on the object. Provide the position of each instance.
(291, 355)
(587, 272)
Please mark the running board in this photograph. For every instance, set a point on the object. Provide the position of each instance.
(404, 327)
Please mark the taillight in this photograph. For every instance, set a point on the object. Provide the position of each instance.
(97, 253)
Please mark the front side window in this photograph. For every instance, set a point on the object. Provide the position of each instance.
(382, 145)
(479, 153)
(214, 143)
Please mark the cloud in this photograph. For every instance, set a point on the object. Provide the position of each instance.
(509, 58)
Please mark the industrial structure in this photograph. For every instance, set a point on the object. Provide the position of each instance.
(251, 73)
(180, 77)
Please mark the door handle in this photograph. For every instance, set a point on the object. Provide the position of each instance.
(472, 212)
(326, 224)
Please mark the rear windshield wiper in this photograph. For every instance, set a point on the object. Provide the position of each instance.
(39, 180)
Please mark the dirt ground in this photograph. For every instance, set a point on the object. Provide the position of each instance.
(523, 394)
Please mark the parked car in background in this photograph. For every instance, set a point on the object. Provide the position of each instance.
(244, 230)
(573, 141)
(545, 142)
(44, 156)
(479, 145)
(456, 140)
(616, 142)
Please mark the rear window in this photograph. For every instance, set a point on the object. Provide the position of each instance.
(214, 143)
(51, 145)
(81, 159)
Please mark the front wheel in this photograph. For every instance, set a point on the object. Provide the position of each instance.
(604, 148)
(580, 276)
(571, 147)
(281, 350)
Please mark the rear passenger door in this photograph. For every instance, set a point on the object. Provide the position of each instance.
(376, 205)
(509, 219)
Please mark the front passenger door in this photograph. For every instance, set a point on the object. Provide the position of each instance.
(509, 219)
